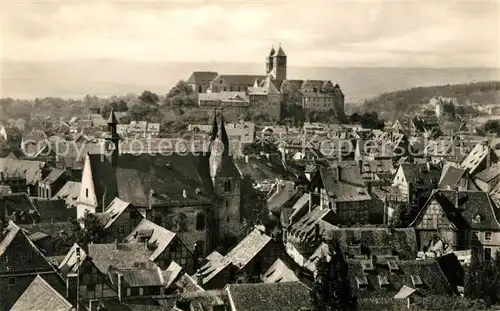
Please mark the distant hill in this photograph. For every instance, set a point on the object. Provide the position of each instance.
(394, 105)
(106, 77)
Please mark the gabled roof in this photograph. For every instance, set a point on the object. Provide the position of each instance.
(421, 173)
(476, 157)
(119, 256)
(31, 170)
(240, 79)
(489, 173)
(140, 277)
(16, 245)
(198, 77)
(69, 193)
(54, 175)
(348, 187)
(113, 210)
(159, 236)
(17, 203)
(475, 209)
(279, 272)
(69, 263)
(41, 296)
(451, 176)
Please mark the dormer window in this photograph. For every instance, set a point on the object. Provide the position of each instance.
(367, 266)
(416, 280)
(382, 280)
(477, 218)
(361, 281)
(393, 266)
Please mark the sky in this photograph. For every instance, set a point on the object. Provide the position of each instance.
(312, 33)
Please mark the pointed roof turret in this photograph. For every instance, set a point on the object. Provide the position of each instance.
(112, 118)
(273, 51)
(223, 134)
(215, 129)
(280, 52)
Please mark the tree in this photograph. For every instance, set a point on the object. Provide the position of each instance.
(87, 230)
(149, 97)
(331, 289)
(181, 95)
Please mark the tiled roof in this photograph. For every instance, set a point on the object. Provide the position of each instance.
(475, 209)
(283, 194)
(270, 297)
(31, 170)
(239, 256)
(489, 173)
(17, 203)
(141, 277)
(451, 176)
(121, 256)
(114, 209)
(421, 173)
(240, 79)
(54, 210)
(433, 280)
(54, 174)
(16, 245)
(41, 296)
(380, 241)
(69, 193)
(160, 237)
(304, 229)
(198, 77)
(261, 168)
(476, 157)
(349, 186)
(279, 272)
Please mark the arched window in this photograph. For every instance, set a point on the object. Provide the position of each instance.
(227, 186)
(200, 221)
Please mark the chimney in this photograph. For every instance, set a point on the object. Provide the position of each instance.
(335, 172)
(184, 193)
(72, 287)
(317, 232)
(410, 194)
(310, 200)
(199, 277)
(120, 286)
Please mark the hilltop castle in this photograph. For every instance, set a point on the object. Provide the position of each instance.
(265, 93)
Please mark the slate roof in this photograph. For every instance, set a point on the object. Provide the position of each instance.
(41, 296)
(15, 245)
(286, 296)
(69, 193)
(160, 237)
(137, 176)
(433, 279)
(475, 210)
(31, 170)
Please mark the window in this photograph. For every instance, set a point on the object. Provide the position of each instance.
(141, 291)
(87, 269)
(200, 221)
(199, 89)
(90, 287)
(12, 281)
(475, 235)
(487, 253)
(87, 192)
(487, 236)
(227, 186)
(227, 204)
(128, 291)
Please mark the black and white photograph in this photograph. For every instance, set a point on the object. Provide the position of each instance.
(229, 155)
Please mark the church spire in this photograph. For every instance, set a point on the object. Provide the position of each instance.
(223, 134)
(215, 130)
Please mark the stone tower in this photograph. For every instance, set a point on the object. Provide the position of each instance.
(226, 182)
(270, 61)
(279, 65)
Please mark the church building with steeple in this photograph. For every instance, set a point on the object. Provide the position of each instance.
(267, 93)
(200, 190)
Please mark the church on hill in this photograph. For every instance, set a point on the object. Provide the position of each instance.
(265, 93)
(205, 188)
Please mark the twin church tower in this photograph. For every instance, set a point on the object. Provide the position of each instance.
(276, 64)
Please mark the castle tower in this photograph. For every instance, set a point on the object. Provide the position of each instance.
(226, 183)
(113, 139)
(269, 61)
(279, 65)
